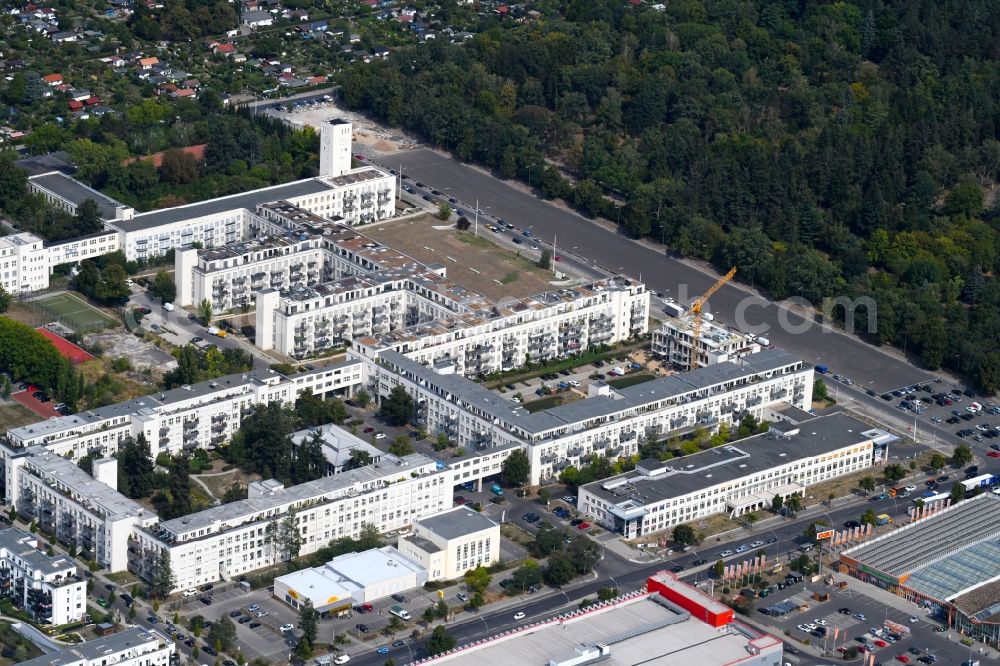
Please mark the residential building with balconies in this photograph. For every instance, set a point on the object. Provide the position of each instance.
(49, 588)
(232, 539)
(133, 646)
(673, 343)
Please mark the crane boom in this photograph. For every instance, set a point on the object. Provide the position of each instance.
(696, 311)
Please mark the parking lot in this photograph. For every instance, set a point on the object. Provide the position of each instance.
(851, 619)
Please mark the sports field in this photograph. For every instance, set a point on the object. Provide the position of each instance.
(73, 312)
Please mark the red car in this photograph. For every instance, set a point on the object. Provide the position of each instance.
(369, 429)
(583, 526)
(459, 500)
(993, 454)
(903, 658)
(880, 643)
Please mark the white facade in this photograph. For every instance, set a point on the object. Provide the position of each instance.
(24, 263)
(350, 579)
(609, 422)
(232, 539)
(84, 247)
(452, 542)
(736, 478)
(47, 587)
(68, 502)
(674, 339)
(133, 646)
(335, 147)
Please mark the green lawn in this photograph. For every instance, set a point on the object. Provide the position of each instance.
(74, 312)
(630, 380)
(545, 403)
(15, 415)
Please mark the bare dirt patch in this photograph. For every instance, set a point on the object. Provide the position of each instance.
(472, 262)
(13, 415)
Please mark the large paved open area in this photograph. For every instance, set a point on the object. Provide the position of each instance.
(844, 354)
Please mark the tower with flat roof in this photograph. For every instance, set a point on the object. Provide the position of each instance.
(335, 147)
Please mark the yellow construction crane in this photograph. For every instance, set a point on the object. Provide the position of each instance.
(696, 311)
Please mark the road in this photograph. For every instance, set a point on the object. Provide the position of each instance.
(786, 535)
(595, 245)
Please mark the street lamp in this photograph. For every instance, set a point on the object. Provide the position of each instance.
(528, 168)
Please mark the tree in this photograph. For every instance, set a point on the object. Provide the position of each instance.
(4, 301)
(544, 496)
(178, 167)
(223, 633)
(527, 575)
(937, 462)
(205, 311)
(444, 211)
(962, 455)
(289, 537)
(135, 467)
(440, 641)
(398, 407)
(401, 446)
(559, 570)
(794, 503)
(545, 259)
(957, 493)
(463, 223)
(234, 493)
(163, 287)
(262, 444)
(777, 502)
(719, 568)
(442, 441)
(894, 473)
(546, 541)
(163, 580)
(315, 411)
(180, 485)
(869, 517)
(867, 483)
(88, 217)
(820, 391)
(310, 461)
(308, 623)
(395, 625)
(515, 469)
(685, 534)
(583, 553)
(477, 580)
(363, 398)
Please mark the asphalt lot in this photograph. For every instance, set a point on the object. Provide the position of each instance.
(593, 244)
(876, 613)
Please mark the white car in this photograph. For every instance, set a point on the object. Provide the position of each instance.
(573, 383)
(569, 499)
(190, 593)
(910, 489)
(821, 623)
(725, 553)
(914, 619)
(519, 615)
(756, 544)
(342, 659)
(380, 435)
(811, 626)
(860, 616)
(803, 628)
(515, 399)
(287, 627)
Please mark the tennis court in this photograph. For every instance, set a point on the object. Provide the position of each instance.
(73, 312)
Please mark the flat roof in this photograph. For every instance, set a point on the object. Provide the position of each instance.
(723, 464)
(18, 542)
(945, 556)
(492, 404)
(341, 577)
(637, 630)
(344, 484)
(101, 648)
(245, 200)
(456, 522)
(76, 192)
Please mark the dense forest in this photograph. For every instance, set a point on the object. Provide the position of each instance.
(824, 149)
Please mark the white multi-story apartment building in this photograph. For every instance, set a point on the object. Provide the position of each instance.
(674, 339)
(49, 588)
(610, 422)
(71, 504)
(232, 539)
(24, 263)
(351, 195)
(735, 478)
(133, 646)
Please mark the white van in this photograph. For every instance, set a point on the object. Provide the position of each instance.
(400, 612)
(169, 307)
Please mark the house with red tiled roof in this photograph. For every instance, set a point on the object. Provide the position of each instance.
(182, 92)
(225, 49)
(74, 105)
(53, 79)
(147, 63)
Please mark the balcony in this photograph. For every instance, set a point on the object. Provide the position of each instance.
(218, 427)
(219, 417)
